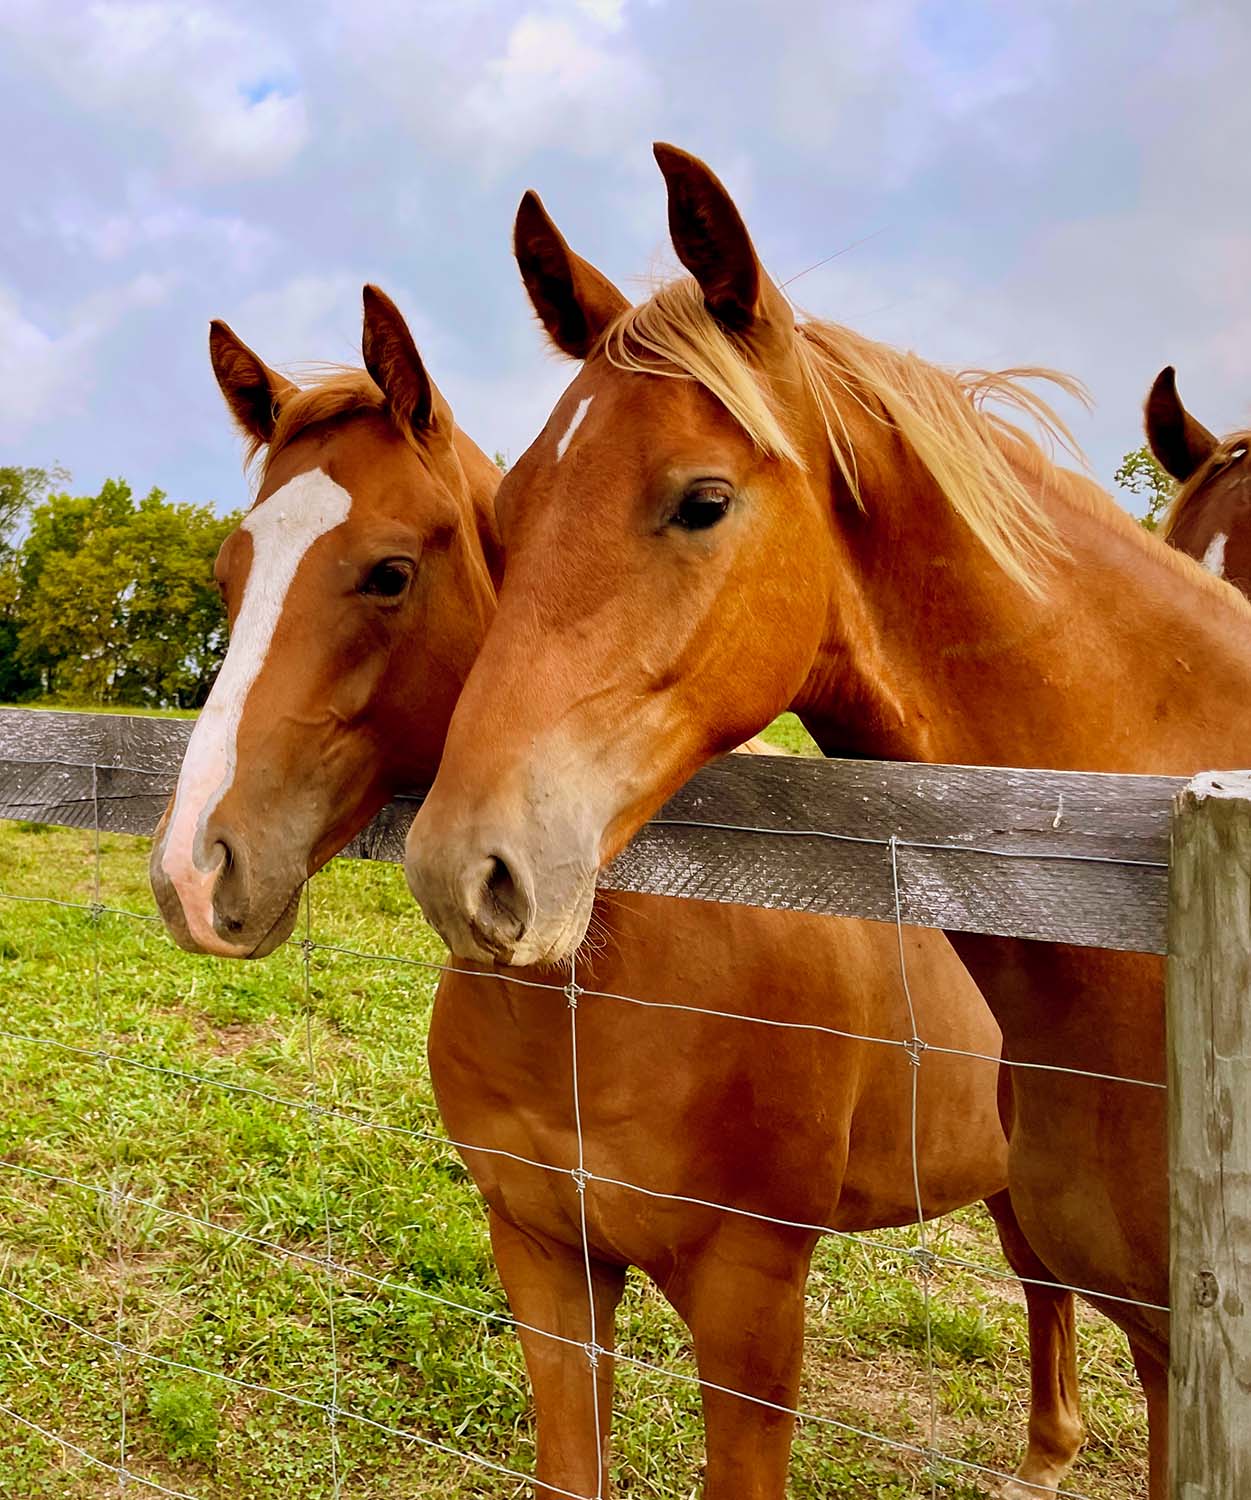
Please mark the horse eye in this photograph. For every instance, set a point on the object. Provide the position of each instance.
(701, 508)
(388, 579)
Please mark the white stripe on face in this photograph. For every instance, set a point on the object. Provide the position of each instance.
(583, 407)
(1214, 557)
(282, 529)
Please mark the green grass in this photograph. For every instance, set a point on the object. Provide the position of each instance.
(400, 1208)
(52, 705)
(787, 733)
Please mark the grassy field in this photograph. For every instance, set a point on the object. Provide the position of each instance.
(402, 1211)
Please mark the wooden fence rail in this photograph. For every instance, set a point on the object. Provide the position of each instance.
(1063, 856)
(1142, 863)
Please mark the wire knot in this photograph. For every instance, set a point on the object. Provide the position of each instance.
(914, 1047)
(306, 947)
(580, 1178)
(925, 1260)
(593, 1352)
(572, 991)
(95, 911)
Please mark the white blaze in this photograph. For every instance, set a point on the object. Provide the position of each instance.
(563, 445)
(283, 528)
(1214, 557)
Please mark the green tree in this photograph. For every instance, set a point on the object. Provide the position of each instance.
(21, 489)
(175, 623)
(116, 600)
(1143, 477)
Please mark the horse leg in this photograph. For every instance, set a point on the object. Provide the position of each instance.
(1055, 1424)
(546, 1282)
(742, 1298)
(1154, 1378)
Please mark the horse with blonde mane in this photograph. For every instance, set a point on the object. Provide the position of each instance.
(725, 1053)
(1210, 517)
(730, 512)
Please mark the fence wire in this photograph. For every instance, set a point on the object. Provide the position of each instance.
(330, 1271)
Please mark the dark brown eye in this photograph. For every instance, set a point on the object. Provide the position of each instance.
(388, 579)
(701, 507)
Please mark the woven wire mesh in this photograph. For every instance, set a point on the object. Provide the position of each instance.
(109, 1055)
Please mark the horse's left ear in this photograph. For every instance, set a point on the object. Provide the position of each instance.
(713, 244)
(1177, 440)
(391, 357)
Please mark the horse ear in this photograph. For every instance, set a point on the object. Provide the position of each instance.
(1177, 440)
(392, 360)
(574, 301)
(713, 244)
(254, 393)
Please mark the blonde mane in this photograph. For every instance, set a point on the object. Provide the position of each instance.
(1220, 456)
(972, 454)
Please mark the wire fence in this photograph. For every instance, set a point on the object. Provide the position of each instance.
(920, 1259)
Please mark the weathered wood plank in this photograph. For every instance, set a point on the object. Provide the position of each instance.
(1209, 1099)
(1060, 856)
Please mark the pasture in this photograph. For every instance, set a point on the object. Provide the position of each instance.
(407, 1232)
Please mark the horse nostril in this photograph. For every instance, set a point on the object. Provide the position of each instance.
(230, 894)
(503, 905)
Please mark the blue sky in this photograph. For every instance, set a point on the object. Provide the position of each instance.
(1058, 183)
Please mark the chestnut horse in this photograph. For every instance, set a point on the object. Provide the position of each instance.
(359, 589)
(729, 513)
(1210, 517)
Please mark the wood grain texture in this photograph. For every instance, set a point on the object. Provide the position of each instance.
(1025, 853)
(1209, 1097)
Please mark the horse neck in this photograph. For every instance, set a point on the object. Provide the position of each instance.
(1210, 523)
(1132, 659)
(482, 478)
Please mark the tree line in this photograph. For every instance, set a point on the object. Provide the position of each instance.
(109, 598)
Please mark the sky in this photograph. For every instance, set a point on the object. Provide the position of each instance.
(1058, 183)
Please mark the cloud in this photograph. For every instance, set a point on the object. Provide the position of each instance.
(46, 377)
(492, 84)
(152, 224)
(1043, 182)
(306, 319)
(185, 73)
(555, 85)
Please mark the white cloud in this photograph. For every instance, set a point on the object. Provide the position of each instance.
(556, 85)
(609, 13)
(308, 319)
(47, 377)
(488, 84)
(1053, 181)
(151, 224)
(212, 91)
(39, 374)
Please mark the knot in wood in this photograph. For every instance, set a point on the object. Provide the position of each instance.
(1207, 1288)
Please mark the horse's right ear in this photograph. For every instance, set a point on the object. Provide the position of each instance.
(575, 303)
(397, 370)
(713, 244)
(254, 393)
(1177, 440)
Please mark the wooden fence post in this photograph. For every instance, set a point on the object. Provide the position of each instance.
(1209, 1101)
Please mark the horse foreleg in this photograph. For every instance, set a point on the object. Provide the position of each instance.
(546, 1283)
(1055, 1424)
(742, 1298)
(1154, 1378)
